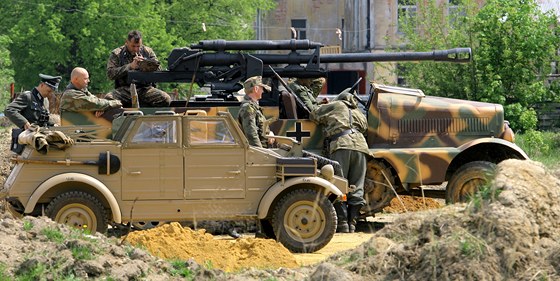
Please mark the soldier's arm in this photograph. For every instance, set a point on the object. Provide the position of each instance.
(250, 127)
(360, 121)
(114, 70)
(73, 100)
(13, 110)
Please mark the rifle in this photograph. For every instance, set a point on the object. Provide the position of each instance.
(298, 100)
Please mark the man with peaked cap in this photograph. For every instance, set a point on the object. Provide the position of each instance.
(252, 120)
(32, 107)
(76, 97)
(345, 125)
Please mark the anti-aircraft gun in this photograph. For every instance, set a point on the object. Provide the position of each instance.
(414, 139)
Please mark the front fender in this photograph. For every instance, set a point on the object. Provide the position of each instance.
(506, 143)
(75, 177)
(273, 192)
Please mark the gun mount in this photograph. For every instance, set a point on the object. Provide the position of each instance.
(223, 64)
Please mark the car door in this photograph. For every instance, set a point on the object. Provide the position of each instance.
(152, 160)
(214, 160)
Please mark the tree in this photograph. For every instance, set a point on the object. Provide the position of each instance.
(6, 71)
(54, 36)
(513, 43)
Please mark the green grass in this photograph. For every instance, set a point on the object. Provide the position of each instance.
(82, 252)
(543, 147)
(53, 234)
(180, 269)
(27, 225)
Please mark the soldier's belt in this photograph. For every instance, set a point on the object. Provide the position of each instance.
(343, 133)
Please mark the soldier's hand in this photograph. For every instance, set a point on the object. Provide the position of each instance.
(27, 125)
(134, 63)
(98, 113)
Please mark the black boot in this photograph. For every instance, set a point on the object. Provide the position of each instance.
(233, 233)
(341, 214)
(353, 214)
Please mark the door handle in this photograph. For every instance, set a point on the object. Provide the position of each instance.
(234, 172)
(135, 173)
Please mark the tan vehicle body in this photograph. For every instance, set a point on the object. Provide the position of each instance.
(178, 168)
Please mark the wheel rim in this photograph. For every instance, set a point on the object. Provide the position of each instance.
(78, 216)
(304, 221)
(145, 225)
(470, 187)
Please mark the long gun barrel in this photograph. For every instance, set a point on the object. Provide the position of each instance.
(224, 64)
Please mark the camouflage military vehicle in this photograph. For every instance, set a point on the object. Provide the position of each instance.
(178, 167)
(415, 140)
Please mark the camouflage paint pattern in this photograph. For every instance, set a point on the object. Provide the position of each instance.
(415, 139)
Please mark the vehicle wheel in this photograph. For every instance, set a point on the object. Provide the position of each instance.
(143, 225)
(304, 220)
(377, 190)
(78, 209)
(468, 179)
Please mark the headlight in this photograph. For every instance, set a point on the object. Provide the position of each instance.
(327, 172)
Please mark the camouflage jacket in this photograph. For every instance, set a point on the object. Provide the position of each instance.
(305, 94)
(30, 107)
(335, 119)
(74, 99)
(118, 65)
(253, 122)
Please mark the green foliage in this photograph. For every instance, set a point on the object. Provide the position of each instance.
(27, 225)
(513, 43)
(3, 273)
(6, 71)
(54, 36)
(180, 268)
(483, 196)
(53, 234)
(541, 146)
(81, 252)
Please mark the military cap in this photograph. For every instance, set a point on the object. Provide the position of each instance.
(254, 81)
(51, 81)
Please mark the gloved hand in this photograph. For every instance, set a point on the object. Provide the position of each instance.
(148, 65)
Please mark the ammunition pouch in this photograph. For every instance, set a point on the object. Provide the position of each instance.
(43, 118)
(15, 146)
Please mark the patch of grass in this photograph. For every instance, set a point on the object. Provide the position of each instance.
(36, 272)
(82, 252)
(541, 146)
(53, 234)
(27, 225)
(483, 196)
(471, 246)
(180, 269)
(3, 274)
(208, 264)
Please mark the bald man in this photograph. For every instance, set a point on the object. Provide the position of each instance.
(76, 97)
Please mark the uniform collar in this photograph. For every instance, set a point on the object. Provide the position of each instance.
(37, 95)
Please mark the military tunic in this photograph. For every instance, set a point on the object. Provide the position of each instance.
(118, 67)
(30, 107)
(345, 126)
(253, 122)
(304, 94)
(74, 99)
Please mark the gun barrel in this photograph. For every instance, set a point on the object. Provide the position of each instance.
(221, 45)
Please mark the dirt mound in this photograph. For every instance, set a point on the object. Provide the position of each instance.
(173, 242)
(406, 203)
(510, 231)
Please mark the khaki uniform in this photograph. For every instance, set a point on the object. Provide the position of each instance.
(74, 99)
(345, 126)
(118, 67)
(30, 107)
(253, 122)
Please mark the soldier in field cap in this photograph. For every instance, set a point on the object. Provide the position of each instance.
(252, 120)
(32, 107)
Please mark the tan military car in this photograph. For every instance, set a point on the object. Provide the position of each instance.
(178, 167)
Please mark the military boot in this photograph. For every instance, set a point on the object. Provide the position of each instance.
(233, 233)
(342, 216)
(353, 214)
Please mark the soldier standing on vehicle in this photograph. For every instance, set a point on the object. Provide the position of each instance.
(32, 107)
(252, 120)
(345, 126)
(307, 89)
(76, 97)
(127, 58)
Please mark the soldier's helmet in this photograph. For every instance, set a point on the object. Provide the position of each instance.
(348, 99)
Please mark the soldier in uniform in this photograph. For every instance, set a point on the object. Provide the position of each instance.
(32, 107)
(126, 58)
(345, 126)
(76, 97)
(307, 89)
(252, 120)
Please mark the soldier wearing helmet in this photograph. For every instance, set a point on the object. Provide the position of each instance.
(252, 120)
(345, 125)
